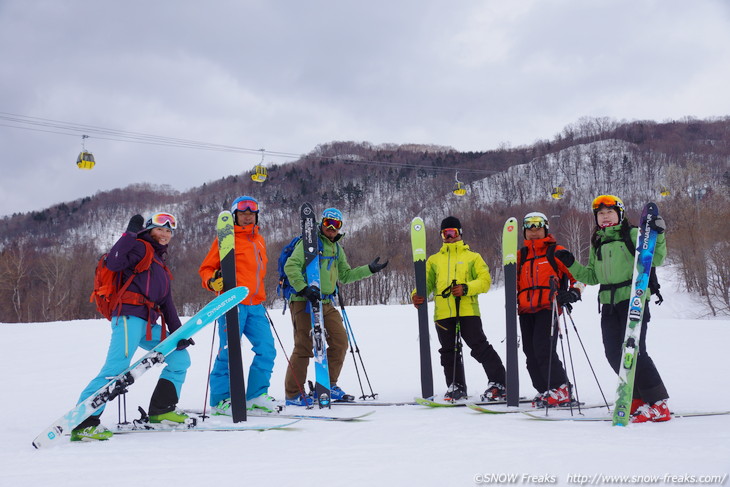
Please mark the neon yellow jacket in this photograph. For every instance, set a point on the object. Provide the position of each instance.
(456, 261)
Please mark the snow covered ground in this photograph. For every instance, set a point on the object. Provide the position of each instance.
(44, 367)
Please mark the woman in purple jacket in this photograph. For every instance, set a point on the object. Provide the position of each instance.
(136, 325)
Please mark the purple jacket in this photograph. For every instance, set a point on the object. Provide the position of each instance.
(153, 283)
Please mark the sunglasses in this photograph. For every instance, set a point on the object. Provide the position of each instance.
(247, 205)
(449, 233)
(534, 222)
(332, 223)
(162, 220)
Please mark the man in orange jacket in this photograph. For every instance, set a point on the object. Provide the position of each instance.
(251, 259)
(541, 278)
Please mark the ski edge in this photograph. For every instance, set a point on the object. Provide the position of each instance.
(203, 427)
(435, 404)
(319, 417)
(482, 409)
(609, 418)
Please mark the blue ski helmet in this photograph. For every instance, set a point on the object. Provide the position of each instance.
(332, 213)
(246, 203)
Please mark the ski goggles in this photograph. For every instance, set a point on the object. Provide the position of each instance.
(607, 200)
(449, 233)
(534, 222)
(162, 220)
(247, 205)
(332, 223)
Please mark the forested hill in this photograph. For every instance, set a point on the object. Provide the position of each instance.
(47, 258)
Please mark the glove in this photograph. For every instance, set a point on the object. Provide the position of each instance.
(376, 266)
(417, 300)
(215, 283)
(658, 224)
(311, 293)
(184, 343)
(136, 224)
(565, 257)
(567, 296)
(459, 290)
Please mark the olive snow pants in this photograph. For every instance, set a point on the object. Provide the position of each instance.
(336, 337)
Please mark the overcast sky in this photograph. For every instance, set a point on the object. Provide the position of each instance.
(286, 76)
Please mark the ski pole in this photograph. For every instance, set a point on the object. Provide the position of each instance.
(354, 348)
(458, 361)
(210, 367)
(349, 342)
(553, 320)
(572, 364)
(562, 352)
(588, 359)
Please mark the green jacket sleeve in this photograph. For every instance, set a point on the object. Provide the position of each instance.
(346, 274)
(585, 274)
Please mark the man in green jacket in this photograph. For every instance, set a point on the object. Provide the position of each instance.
(333, 267)
(456, 276)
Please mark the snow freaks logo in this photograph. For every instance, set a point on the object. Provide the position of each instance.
(514, 478)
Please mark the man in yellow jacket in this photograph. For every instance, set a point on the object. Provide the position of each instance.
(251, 259)
(456, 276)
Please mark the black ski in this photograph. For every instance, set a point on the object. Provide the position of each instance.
(226, 248)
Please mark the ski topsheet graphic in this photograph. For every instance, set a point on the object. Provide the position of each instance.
(645, 245)
(310, 244)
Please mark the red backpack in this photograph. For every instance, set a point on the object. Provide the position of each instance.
(109, 293)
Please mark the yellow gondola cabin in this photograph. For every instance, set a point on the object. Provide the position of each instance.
(85, 160)
(259, 174)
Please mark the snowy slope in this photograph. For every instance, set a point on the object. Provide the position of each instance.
(45, 366)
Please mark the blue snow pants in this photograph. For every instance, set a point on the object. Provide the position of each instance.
(253, 323)
(128, 333)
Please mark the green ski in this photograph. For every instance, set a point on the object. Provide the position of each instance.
(509, 261)
(418, 243)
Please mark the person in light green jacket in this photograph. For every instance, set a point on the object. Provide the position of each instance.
(611, 264)
(455, 276)
(333, 267)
